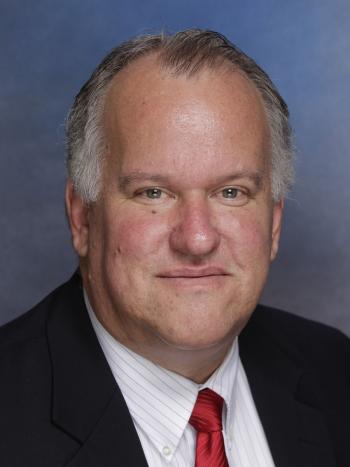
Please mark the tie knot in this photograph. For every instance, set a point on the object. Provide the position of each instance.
(207, 412)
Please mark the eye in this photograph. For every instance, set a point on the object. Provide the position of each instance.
(232, 196)
(230, 192)
(153, 193)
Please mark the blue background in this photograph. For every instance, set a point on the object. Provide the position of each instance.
(49, 48)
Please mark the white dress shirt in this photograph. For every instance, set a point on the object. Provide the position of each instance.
(161, 402)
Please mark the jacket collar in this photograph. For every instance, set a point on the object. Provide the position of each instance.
(285, 393)
(86, 402)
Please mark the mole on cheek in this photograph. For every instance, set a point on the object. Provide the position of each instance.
(154, 212)
(117, 252)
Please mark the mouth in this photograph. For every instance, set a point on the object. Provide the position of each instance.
(195, 276)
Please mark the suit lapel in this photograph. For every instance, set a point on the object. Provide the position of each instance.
(284, 394)
(86, 401)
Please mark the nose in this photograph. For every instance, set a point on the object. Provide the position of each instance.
(195, 234)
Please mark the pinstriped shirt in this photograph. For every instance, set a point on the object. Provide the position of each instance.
(161, 402)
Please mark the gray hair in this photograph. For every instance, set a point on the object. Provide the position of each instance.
(185, 52)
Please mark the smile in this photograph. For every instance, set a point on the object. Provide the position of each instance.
(208, 277)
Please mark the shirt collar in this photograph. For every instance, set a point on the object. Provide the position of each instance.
(172, 394)
(223, 382)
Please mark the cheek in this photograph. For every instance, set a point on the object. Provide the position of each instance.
(134, 236)
(248, 235)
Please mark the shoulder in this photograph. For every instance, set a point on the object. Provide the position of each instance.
(31, 326)
(299, 365)
(290, 328)
(293, 325)
(23, 341)
(313, 345)
(26, 389)
(26, 328)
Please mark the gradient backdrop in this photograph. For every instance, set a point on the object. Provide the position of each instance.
(49, 48)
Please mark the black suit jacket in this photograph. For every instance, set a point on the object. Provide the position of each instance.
(60, 405)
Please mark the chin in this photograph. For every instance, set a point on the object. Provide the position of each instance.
(204, 326)
(198, 340)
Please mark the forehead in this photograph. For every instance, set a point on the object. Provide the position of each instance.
(146, 82)
(215, 110)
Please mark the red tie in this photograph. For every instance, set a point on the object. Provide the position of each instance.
(206, 419)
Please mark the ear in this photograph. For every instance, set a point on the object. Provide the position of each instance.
(276, 227)
(78, 218)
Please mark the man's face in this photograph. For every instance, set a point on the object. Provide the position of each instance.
(180, 242)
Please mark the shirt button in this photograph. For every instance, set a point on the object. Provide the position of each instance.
(166, 451)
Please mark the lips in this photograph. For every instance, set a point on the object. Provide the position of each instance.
(188, 273)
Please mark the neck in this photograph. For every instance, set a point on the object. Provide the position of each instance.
(194, 364)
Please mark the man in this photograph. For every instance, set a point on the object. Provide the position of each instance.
(179, 158)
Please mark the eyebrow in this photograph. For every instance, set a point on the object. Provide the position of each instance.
(125, 180)
(256, 177)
